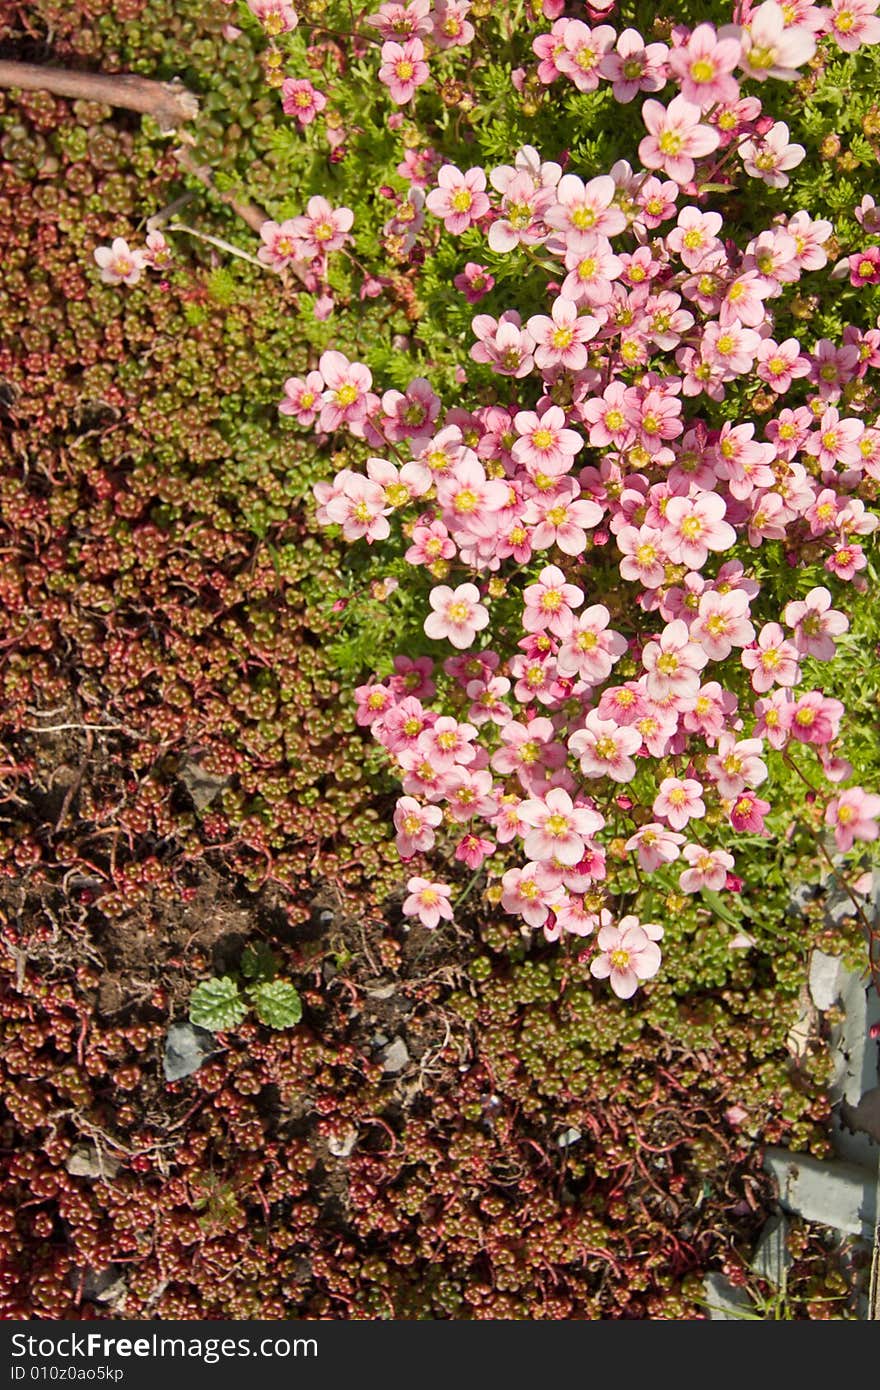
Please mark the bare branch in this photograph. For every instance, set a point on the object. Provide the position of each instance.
(169, 103)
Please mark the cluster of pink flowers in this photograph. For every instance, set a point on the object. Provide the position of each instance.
(305, 243)
(539, 744)
(121, 264)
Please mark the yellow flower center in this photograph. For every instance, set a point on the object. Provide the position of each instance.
(458, 612)
(346, 395)
(605, 747)
(582, 218)
(557, 825)
(703, 70)
(670, 142)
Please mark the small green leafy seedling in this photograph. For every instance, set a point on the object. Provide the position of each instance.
(223, 1003)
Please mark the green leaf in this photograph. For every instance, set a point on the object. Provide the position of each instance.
(277, 1004)
(216, 1005)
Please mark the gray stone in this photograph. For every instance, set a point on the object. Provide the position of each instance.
(341, 1145)
(772, 1259)
(87, 1161)
(105, 1286)
(724, 1301)
(395, 1056)
(836, 1193)
(570, 1136)
(824, 980)
(202, 786)
(186, 1048)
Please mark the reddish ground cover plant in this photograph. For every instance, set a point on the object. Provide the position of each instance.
(185, 773)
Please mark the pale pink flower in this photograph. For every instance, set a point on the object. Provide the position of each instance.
(694, 526)
(836, 441)
(852, 23)
(768, 157)
(469, 793)
(451, 27)
(347, 385)
(470, 501)
(644, 555)
(589, 648)
(488, 703)
(460, 199)
(815, 624)
(772, 661)
(679, 800)
(544, 444)
(549, 601)
(402, 21)
(770, 48)
(519, 219)
(119, 264)
(582, 52)
(737, 765)
(524, 895)
(779, 364)
(157, 253)
(592, 267)
(527, 749)
(300, 99)
(282, 245)
(634, 66)
(415, 826)
(559, 829)
(722, 623)
(430, 544)
(809, 238)
(655, 845)
(832, 367)
(853, 815)
(503, 343)
(322, 228)
(708, 869)
(276, 16)
(428, 901)
(694, 235)
(561, 339)
(561, 518)
(373, 701)
(603, 748)
(360, 510)
(302, 398)
(773, 718)
(446, 742)
(403, 69)
(458, 615)
(580, 207)
(472, 850)
(675, 138)
(704, 67)
(732, 346)
(475, 282)
(628, 954)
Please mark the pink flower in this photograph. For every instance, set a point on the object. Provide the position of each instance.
(429, 544)
(415, 826)
(458, 615)
(737, 765)
(459, 199)
(561, 339)
(694, 235)
(695, 525)
(769, 156)
(527, 896)
(852, 23)
(321, 228)
(157, 255)
(403, 69)
(628, 953)
(644, 555)
(853, 815)
(472, 850)
(559, 829)
(672, 664)
(634, 66)
(592, 267)
(864, 266)
(119, 264)
(675, 138)
(722, 623)
(451, 28)
(588, 649)
(747, 813)
(772, 661)
(402, 21)
(549, 601)
(300, 99)
(773, 49)
(781, 363)
(580, 208)
(708, 869)
(815, 718)
(302, 398)
(474, 281)
(678, 801)
(704, 67)
(373, 701)
(582, 52)
(345, 395)
(276, 16)
(545, 446)
(655, 845)
(428, 901)
(503, 343)
(604, 748)
(815, 624)
(359, 508)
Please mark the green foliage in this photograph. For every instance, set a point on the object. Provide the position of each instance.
(277, 1003)
(222, 1004)
(217, 1005)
